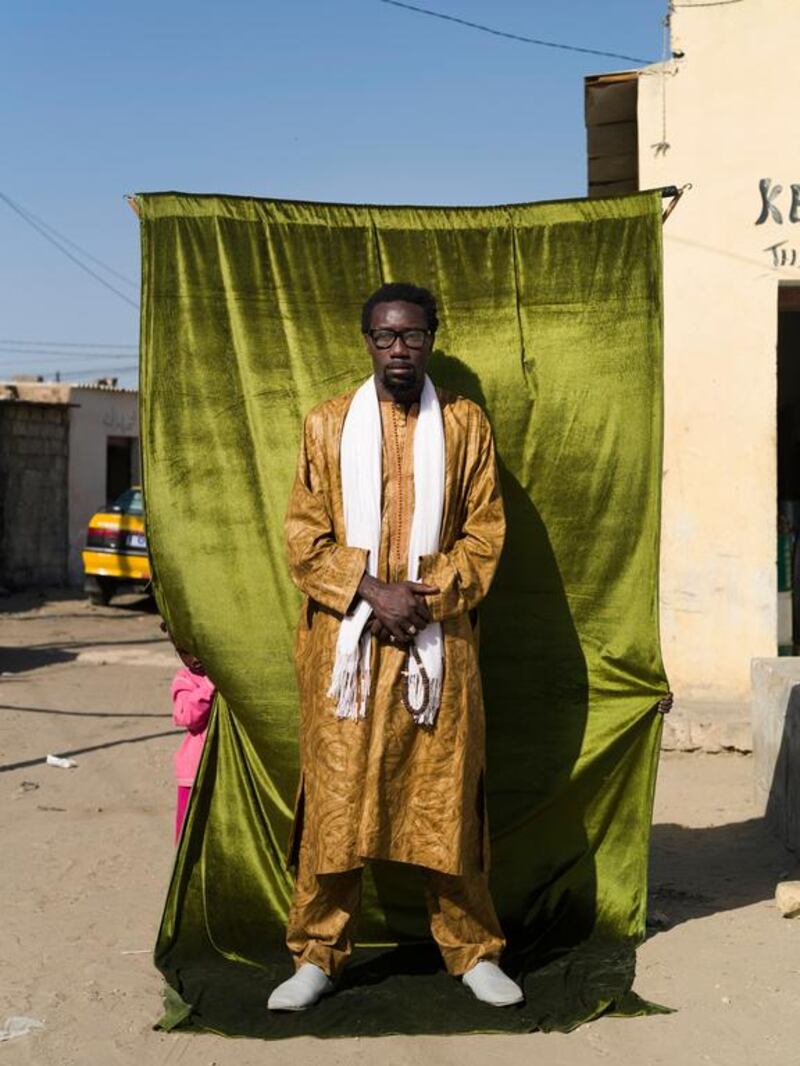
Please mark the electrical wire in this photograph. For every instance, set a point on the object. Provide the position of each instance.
(87, 255)
(710, 3)
(21, 357)
(65, 251)
(96, 371)
(19, 354)
(513, 36)
(112, 371)
(66, 344)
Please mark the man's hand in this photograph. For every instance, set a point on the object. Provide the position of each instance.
(379, 630)
(399, 607)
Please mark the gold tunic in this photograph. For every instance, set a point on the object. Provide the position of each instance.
(384, 787)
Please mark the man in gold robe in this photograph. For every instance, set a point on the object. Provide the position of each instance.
(391, 708)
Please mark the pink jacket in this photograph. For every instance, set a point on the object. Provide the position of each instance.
(192, 696)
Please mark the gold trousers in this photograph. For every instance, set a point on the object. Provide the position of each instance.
(325, 908)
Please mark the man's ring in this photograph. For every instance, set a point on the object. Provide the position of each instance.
(412, 630)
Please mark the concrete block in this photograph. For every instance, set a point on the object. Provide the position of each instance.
(618, 138)
(611, 101)
(608, 168)
(612, 188)
(775, 711)
(787, 898)
(785, 621)
(29, 447)
(703, 725)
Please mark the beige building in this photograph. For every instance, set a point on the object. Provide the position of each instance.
(101, 461)
(103, 457)
(719, 114)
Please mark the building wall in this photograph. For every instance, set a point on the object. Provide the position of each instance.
(98, 413)
(33, 493)
(729, 106)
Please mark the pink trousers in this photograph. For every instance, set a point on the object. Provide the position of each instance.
(184, 791)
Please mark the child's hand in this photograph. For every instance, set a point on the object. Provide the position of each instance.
(664, 705)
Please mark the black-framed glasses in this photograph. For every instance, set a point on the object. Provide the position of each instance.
(385, 338)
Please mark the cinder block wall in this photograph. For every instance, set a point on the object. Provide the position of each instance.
(33, 493)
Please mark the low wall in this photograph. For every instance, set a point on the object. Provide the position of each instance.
(709, 726)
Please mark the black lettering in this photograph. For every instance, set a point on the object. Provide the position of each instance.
(778, 253)
(768, 208)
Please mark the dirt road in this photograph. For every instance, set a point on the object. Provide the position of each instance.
(87, 853)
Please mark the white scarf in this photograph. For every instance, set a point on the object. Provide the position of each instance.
(361, 462)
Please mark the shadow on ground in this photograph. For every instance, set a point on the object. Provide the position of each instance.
(40, 760)
(696, 872)
(82, 714)
(133, 604)
(30, 600)
(21, 660)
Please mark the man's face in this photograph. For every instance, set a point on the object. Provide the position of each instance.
(400, 368)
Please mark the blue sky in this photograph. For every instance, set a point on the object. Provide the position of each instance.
(345, 100)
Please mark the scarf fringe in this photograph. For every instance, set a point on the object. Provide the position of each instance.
(350, 684)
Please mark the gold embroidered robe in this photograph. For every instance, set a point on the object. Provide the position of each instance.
(384, 787)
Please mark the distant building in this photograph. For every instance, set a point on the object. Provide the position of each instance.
(718, 114)
(65, 451)
(34, 448)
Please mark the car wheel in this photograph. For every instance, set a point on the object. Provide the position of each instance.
(99, 589)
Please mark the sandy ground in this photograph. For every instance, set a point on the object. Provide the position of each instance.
(87, 852)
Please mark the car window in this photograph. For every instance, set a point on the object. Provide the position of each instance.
(130, 502)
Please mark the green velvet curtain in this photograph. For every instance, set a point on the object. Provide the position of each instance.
(551, 320)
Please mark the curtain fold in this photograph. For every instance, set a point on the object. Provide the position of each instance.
(551, 320)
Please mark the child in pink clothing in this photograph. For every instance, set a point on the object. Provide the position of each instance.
(192, 696)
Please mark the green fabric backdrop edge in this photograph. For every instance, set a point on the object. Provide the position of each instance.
(530, 265)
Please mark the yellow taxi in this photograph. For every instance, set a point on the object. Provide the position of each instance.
(115, 555)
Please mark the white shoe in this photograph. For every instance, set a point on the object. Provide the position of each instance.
(306, 988)
(487, 982)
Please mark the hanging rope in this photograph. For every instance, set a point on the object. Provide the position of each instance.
(662, 147)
